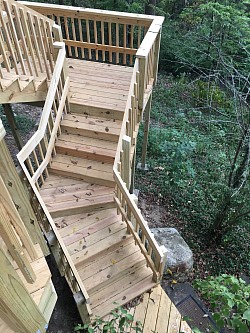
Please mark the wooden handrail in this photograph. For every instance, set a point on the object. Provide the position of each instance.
(46, 135)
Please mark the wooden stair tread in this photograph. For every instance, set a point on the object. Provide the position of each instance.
(87, 170)
(78, 146)
(122, 291)
(90, 127)
(109, 269)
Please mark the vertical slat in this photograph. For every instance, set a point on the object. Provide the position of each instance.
(47, 48)
(96, 40)
(67, 34)
(117, 41)
(88, 39)
(4, 54)
(131, 42)
(126, 147)
(8, 41)
(15, 39)
(81, 36)
(25, 48)
(103, 40)
(40, 40)
(124, 43)
(110, 40)
(72, 20)
(27, 34)
(139, 37)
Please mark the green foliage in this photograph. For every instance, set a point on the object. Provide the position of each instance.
(25, 123)
(119, 322)
(229, 300)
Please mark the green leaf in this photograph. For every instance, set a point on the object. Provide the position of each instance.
(242, 328)
(129, 316)
(122, 322)
(246, 315)
(90, 330)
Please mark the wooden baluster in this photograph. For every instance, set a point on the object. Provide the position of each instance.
(74, 35)
(25, 48)
(3, 51)
(42, 49)
(142, 80)
(88, 39)
(42, 156)
(131, 42)
(139, 37)
(50, 42)
(8, 42)
(47, 48)
(67, 34)
(27, 34)
(96, 40)
(117, 42)
(126, 147)
(15, 38)
(81, 37)
(37, 163)
(124, 44)
(110, 40)
(33, 32)
(103, 40)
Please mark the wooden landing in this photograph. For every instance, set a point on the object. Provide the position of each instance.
(98, 88)
(157, 314)
(42, 291)
(109, 263)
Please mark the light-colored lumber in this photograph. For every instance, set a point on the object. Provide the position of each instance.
(17, 307)
(152, 310)
(163, 313)
(174, 320)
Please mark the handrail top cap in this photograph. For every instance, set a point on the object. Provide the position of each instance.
(149, 18)
(2, 130)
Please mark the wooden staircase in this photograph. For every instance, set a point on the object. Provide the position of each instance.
(79, 194)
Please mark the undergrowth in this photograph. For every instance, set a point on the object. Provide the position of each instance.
(189, 152)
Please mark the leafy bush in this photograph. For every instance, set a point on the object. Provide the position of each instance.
(229, 301)
(119, 322)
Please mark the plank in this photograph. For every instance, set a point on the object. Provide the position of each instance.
(84, 242)
(67, 224)
(91, 130)
(115, 272)
(97, 66)
(141, 310)
(152, 310)
(104, 122)
(174, 320)
(163, 313)
(135, 289)
(83, 257)
(185, 328)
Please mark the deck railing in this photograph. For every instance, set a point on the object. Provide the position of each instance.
(25, 41)
(106, 36)
(126, 206)
(35, 157)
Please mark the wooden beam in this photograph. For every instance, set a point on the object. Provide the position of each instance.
(17, 308)
(146, 130)
(19, 196)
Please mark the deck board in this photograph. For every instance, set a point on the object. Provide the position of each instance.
(99, 85)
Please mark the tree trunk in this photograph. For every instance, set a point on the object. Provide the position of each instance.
(150, 7)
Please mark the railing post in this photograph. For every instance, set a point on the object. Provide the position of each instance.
(156, 56)
(146, 130)
(142, 65)
(126, 169)
(18, 193)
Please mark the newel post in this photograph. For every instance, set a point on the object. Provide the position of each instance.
(18, 194)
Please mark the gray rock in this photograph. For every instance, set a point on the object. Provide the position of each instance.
(179, 255)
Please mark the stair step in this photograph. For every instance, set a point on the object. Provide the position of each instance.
(106, 270)
(96, 110)
(10, 82)
(93, 127)
(84, 147)
(74, 199)
(86, 170)
(134, 283)
(25, 81)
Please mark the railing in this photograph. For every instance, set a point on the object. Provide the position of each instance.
(35, 158)
(25, 41)
(126, 206)
(98, 35)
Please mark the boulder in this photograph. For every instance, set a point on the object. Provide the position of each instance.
(179, 255)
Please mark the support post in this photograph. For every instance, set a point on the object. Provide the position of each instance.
(156, 56)
(126, 169)
(13, 125)
(18, 194)
(132, 183)
(17, 307)
(142, 81)
(145, 136)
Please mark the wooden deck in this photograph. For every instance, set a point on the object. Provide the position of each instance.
(157, 313)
